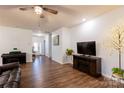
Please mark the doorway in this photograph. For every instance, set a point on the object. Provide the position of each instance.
(38, 48)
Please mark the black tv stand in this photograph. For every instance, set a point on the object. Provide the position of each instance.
(88, 64)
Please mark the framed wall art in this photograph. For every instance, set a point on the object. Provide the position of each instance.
(56, 40)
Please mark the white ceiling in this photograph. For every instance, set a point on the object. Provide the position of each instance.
(68, 15)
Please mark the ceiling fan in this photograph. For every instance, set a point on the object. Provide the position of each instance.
(38, 9)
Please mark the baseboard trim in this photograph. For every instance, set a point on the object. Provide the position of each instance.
(55, 61)
(62, 63)
(67, 63)
(106, 76)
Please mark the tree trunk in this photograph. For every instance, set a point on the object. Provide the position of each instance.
(120, 59)
(119, 38)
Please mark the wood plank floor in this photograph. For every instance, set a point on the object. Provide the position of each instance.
(44, 72)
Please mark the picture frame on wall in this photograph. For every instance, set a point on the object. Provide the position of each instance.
(56, 40)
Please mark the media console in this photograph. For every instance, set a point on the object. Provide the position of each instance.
(88, 64)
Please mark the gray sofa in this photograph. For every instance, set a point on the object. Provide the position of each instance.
(10, 75)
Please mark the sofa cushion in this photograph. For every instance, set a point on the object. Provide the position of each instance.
(14, 75)
(6, 72)
(1, 86)
(0, 71)
(16, 70)
(11, 85)
(3, 79)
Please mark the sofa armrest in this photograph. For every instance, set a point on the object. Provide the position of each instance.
(9, 66)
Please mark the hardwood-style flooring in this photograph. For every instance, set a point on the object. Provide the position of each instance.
(44, 72)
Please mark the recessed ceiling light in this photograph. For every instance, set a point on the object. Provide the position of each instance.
(84, 19)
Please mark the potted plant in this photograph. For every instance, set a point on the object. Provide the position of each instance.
(117, 72)
(69, 51)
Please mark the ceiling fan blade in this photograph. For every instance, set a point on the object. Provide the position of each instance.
(50, 10)
(25, 8)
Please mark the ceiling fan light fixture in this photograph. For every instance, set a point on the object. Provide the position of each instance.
(38, 10)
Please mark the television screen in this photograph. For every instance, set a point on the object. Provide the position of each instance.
(87, 48)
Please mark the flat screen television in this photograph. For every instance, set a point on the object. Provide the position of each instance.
(87, 48)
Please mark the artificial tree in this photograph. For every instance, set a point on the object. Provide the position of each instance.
(117, 41)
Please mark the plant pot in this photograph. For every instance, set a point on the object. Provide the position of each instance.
(116, 75)
(68, 53)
